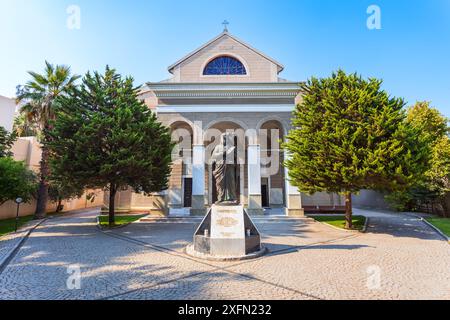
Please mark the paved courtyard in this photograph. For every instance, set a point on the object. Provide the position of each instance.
(398, 258)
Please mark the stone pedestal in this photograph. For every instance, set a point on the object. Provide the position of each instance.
(295, 208)
(226, 233)
(198, 205)
(254, 205)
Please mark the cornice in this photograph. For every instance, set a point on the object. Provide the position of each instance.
(158, 86)
(245, 108)
(221, 90)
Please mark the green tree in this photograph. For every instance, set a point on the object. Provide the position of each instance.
(61, 190)
(6, 142)
(39, 96)
(15, 181)
(432, 186)
(439, 174)
(105, 137)
(431, 124)
(23, 128)
(350, 135)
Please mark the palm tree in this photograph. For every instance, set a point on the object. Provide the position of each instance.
(38, 97)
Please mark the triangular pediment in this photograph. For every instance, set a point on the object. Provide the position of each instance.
(224, 37)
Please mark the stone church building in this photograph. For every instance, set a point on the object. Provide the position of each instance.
(226, 85)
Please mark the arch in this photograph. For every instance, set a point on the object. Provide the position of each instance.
(225, 64)
(211, 133)
(272, 155)
(226, 119)
(172, 122)
(273, 118)
(182, 135)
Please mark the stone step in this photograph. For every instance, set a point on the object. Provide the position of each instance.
(257, 219)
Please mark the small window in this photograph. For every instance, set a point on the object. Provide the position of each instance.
(224, 65)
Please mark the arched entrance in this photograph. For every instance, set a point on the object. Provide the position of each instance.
(273, 187)
(180, 183)
(211, 139)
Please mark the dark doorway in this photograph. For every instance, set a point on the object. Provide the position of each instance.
(187, 192)
(265, 193)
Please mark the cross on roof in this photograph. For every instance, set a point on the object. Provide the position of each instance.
(225, 25)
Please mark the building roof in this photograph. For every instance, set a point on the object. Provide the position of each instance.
(224, 34)
(2, 96)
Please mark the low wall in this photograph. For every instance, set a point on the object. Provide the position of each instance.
(28, 150)
(370, 199)
(9, 209)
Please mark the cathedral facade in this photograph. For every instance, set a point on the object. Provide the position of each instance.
(226, 85)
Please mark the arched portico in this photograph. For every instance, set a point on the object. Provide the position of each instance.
(180, 182)
(275, 177)
(211, 139)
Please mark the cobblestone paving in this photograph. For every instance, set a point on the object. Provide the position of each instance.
(307, 260)
(9, 242)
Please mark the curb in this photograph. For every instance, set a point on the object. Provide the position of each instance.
(366, 225)
(189, 250)
(438, 231)
(108, 228)
(363, 230)
(115, 227)
(9, 256)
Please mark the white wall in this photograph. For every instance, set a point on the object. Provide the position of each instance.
(7, 112)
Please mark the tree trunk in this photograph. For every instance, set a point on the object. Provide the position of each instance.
(59, 204)
(446, 205)
(42, 196)
(112, 198)
(348, 211)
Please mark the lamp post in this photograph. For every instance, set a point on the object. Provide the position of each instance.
(18, 201)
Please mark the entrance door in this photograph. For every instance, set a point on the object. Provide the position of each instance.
(187, 201)
(265, 193)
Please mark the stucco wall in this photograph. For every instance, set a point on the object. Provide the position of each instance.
(9, 209)
(322, 199)
(7, 111)
(28, 150)
(370, 199)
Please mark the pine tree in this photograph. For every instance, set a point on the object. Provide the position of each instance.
(350, 135)
(105, 137)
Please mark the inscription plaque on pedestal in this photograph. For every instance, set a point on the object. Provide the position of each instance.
(227, 222)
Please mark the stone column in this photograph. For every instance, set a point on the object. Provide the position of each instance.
(254, 180)
(198, 170)
(294, 206)
(198, 180)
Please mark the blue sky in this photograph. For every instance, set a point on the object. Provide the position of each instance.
(310, 37)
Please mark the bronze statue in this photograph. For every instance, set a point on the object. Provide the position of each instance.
(225, 165)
